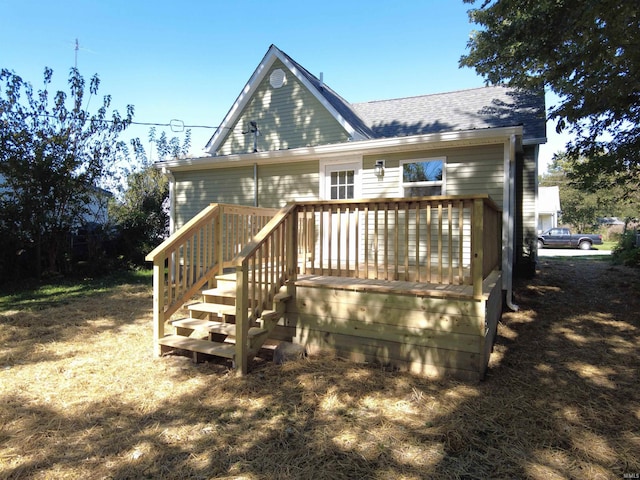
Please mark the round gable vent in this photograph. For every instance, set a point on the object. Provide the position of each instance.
(277, 78)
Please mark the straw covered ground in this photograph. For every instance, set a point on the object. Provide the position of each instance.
(82, 397)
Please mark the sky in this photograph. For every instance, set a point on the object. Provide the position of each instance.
(189, 60)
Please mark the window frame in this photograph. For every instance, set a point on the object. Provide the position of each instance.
(404, 186)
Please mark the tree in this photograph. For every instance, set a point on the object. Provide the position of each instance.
(142, 213)
(53, 154)
(141, 216)
(588, 53)
(582, 207)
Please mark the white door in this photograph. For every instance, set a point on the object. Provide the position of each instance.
(341, 182)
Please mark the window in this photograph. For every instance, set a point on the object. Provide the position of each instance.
(422, 178)
(342, 184)
(340, 180)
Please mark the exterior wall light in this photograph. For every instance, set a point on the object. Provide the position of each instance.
(379, 168)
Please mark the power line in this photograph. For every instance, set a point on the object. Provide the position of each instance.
(176, 126)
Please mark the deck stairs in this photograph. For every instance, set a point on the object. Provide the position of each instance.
(210, 327)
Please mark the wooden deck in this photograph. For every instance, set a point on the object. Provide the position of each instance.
(406, 283)
(397, 287)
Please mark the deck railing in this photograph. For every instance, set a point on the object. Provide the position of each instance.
(436, 240)
(194, 254)
(429, 239)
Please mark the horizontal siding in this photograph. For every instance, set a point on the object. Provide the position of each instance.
(278, 184)
(197, 189)
(287, 117)
(287, 182)
(528, 195)
(470, 170)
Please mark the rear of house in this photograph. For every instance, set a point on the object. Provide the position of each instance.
(391, 164)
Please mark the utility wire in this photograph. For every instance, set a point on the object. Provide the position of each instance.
(175, 125)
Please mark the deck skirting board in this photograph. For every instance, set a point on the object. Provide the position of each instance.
(424, 333)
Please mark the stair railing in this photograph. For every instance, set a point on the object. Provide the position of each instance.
(193, 255)
(266, 264)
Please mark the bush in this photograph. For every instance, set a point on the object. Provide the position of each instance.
(627, 252)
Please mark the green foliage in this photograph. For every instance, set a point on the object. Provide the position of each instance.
(53, 153)
(142, 218)
(142, 213)
(588, 53)
(582, 206)
(627, 252)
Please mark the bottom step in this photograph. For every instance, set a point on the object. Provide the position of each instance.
(225, 350)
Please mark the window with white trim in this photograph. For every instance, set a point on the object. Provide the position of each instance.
(422, 178)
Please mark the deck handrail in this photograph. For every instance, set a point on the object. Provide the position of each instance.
(265, 265)
(195, 253)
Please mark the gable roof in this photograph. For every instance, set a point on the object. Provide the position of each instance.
(334, 103)
(478, 108)
(485, 107)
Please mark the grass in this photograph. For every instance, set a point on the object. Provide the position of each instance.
(607, 245)
(37, 296)
(82, 397)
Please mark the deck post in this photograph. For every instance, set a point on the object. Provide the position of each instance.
(158, 303)
(242, 318)
(291, 246)
(217, 240)
(477, 248)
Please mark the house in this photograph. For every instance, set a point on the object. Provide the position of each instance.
(414, 208)
(548, 207)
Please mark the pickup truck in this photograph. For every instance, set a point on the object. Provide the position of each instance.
(562, 237)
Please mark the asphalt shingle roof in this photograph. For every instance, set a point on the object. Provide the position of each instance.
(485, 107)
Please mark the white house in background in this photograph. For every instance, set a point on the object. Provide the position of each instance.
(97, 211)
(548, 207)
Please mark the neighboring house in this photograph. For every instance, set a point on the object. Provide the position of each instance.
(290, 138)
(548, 207)
(97, 210)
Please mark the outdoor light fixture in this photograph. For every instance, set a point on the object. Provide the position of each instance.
(379, 168)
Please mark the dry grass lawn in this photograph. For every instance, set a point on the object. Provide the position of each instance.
(82, 397)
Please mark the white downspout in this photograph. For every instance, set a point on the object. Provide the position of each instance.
(508, 216)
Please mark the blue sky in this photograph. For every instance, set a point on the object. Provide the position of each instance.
(189, 60)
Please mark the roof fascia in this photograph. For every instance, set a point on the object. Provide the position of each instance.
(314, 91)
(534, 141)
(365, 147)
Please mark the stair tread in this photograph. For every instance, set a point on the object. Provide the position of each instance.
(213, 326)
(218, 349)
(213, 308)
(222, 309)
(220, 292)
(231, 293)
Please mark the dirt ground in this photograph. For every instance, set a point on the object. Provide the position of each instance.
(82, 397)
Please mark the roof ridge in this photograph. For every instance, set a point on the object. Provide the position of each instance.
(410, 97)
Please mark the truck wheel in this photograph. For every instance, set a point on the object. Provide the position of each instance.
(584, 245)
